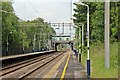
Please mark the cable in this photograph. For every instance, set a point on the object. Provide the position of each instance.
(34, 7)
(6, 11)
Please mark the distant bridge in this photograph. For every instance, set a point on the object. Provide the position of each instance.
(62, 42)
(61, 36)
(56, 43)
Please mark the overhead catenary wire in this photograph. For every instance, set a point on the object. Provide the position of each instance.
(52, 24)
(34, 7)
(6, 11)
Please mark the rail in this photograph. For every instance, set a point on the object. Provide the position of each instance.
(9, 60)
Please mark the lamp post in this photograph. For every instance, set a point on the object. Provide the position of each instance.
(34, 42)
(82, 35)
(23, 41)
(79, 54)
(82, 38)
(88, 56)
(8, 43)
(39, 41)
(79, 38)
(23, 46)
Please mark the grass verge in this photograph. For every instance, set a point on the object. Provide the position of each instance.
(97, 61)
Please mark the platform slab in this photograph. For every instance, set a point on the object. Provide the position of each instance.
(74, 69)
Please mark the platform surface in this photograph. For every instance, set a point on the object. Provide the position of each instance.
(74, 69)
(21, 55)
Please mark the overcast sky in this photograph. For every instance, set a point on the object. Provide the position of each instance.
(49, 10)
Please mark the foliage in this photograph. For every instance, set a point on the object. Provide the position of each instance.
(9, 25)
(97, 20)
(18, 33)
(97, 61)
(97, 37)
(114, 21)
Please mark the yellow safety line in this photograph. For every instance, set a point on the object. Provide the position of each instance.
(50, 73)
(63, 73)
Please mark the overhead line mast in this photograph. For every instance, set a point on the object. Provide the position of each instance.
(107, 34)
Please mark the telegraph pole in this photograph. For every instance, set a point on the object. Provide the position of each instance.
(106, 32)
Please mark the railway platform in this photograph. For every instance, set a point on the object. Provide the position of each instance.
(57, 65)
(68, 68)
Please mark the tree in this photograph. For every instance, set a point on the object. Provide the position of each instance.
(97, 20)
(114, 21)
(9, 25)
(39, 30)
(19, 35)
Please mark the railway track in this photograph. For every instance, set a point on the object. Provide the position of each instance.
(10, 60)
(25, 68)
(14, 67)
(47, 70)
